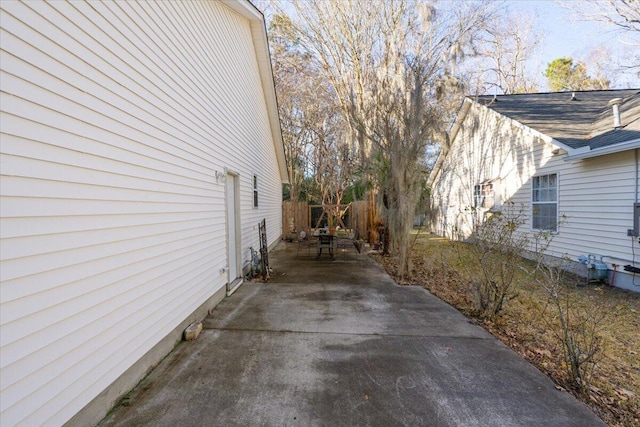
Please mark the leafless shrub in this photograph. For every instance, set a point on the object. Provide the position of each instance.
(493, 259)
(499, 256)
(576, 327)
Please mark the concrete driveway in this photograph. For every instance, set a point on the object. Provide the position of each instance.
(338, 343)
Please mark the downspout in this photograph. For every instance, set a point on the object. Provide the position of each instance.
(632, 243)
(636, 156)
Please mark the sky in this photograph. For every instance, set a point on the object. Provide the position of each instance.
(565, 36)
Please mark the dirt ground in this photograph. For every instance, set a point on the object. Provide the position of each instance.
(614, 387)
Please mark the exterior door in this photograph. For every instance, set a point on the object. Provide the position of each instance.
(234, 270)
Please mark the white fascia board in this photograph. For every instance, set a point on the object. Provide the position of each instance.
(453, 132)
(244, 8)
(261, 46)
(587, 153)
(564, 147)
(455, 127)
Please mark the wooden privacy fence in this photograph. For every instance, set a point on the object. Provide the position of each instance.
(359, 219)
(295, 217)
(298, 216)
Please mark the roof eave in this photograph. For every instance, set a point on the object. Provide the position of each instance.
(587, 153)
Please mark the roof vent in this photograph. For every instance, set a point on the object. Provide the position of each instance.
(573, 96)
(615, 103)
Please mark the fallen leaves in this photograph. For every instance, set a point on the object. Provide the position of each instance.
(543, 352)
(624, 394)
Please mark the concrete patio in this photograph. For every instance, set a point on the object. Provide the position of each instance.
(338, 343)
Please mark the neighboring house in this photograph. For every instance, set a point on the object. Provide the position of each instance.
(140, 149)
(571, 160)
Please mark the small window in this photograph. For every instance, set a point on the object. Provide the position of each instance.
(255, 191)
(484, 196)
(544, 202)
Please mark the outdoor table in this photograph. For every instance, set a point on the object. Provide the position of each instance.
(325, 241)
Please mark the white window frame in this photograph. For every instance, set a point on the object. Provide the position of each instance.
(254, 184)
(487, 191)
(545, 193)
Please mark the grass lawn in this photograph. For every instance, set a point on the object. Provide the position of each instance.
(614, 387)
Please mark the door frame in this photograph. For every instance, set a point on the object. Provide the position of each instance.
(233, 243)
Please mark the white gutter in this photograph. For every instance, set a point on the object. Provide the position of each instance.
(261, 46)
(586, 152)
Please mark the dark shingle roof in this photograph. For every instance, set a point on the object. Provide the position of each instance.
(587, 120)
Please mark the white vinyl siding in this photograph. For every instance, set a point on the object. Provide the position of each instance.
(595, 196)
(116, 117)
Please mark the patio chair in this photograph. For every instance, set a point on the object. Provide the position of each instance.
(305, 240)
(343, 244)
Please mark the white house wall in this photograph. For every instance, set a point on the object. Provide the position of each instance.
(116, 117)
(595, 199)
(479, 154)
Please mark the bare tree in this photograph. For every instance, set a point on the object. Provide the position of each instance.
(290, 82)
(391, 65)
(603, 66)
(508, 42)
(622, 15)
(304, 104)
(332, 164)
(340, 38)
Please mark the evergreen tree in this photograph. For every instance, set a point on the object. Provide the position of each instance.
(563, 74)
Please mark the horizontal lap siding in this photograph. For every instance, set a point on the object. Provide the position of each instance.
(477, 155)
(595, 195)
(115, 119)
(595, 202)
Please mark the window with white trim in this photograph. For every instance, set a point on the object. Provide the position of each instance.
(487, 195)
(255, 190)
(544, 202)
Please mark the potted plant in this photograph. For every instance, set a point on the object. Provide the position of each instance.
(331, 222)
